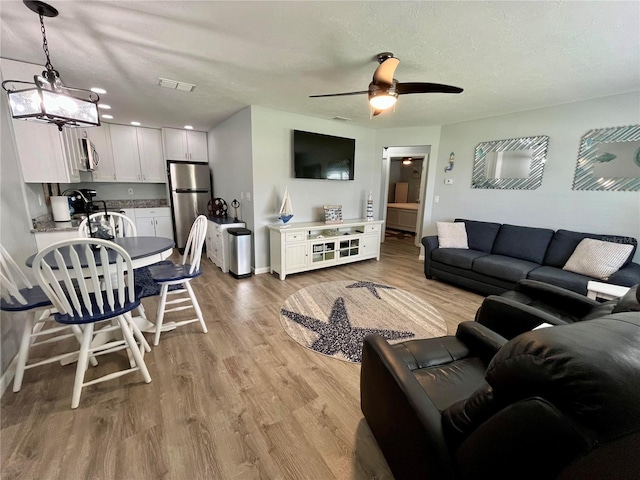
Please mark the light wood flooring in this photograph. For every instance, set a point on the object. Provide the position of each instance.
(241, 402)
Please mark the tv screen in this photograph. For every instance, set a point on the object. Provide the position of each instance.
(322, 156)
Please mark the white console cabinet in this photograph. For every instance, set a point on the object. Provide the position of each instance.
(308, 246)
(218, 241)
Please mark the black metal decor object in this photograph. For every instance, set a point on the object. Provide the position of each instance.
(235, 204)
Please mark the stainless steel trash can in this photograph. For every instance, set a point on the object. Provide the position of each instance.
(239, 252)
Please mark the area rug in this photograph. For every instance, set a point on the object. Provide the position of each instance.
(332, 318)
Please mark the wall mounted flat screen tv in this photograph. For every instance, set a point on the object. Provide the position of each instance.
(323, 156)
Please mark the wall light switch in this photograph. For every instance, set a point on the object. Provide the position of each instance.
(241, 195)
(448, 181)
(436, 199)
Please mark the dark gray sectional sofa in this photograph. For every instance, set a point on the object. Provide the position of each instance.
(501, 255)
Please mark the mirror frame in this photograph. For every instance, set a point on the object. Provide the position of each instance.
(587, 154)
(538, 145)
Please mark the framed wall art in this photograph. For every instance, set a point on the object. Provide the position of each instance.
(609, 159)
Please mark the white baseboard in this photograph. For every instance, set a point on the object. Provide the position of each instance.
(7, 376)
(260, 271)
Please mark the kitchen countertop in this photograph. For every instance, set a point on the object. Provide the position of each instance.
(45, 223)
(223, 220)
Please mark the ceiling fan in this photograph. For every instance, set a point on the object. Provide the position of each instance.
(384, 89)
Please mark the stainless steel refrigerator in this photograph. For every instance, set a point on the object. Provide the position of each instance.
(190, 185)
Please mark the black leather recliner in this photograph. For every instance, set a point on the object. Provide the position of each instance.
(556, 403)
(532, 303)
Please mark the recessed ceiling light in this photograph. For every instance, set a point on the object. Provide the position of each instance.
(108, 117)
(104, 106)
(137, 124)
(99, 91)
(188, 127)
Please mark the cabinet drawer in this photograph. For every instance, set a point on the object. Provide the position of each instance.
(295, 237)
(152, 212)
(372, 228)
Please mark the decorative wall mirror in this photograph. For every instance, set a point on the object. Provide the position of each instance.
(609, 159)
(516, 163)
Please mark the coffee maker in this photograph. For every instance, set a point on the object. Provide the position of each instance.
(81, 201)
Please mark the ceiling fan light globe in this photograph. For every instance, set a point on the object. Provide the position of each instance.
(382, 101)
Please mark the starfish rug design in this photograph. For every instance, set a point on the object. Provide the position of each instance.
(338, 335)
(371, 286)
(332, 318)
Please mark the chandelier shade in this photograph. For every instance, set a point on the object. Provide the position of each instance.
(47, 99)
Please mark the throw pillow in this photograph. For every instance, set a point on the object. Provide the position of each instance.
(452, 235)
(598, 259)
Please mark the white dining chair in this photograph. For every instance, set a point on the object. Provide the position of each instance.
(93, 288)
(181, 274)
(119, 223)
(122, 226)
(20, 295)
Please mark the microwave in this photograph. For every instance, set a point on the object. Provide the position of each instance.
(90, 157)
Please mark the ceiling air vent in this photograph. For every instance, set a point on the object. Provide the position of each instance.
(176, 85)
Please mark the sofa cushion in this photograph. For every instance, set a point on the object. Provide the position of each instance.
(480, 235)
(451, 235)
(506, 268)
(526, 243)
(561, 278)
(457, 257)
(598, 259)
(564, 242)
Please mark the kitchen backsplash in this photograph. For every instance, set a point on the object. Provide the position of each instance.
(45, 223)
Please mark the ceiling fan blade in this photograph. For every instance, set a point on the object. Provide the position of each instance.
(420, 87)
(339, 94)
(384, 72)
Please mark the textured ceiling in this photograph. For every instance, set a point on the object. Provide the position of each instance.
(508, 56)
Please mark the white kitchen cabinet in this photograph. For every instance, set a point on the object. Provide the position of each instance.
(154, 222)
(137, 154)
(186, 145)
(308, 246)
(217, 241)
(101, 139)
(44, 239)
(152, 164)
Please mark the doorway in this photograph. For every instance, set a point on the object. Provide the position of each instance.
(405, 174)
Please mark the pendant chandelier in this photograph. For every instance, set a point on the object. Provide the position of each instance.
(49, 100)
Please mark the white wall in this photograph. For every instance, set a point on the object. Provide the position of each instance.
(230, 160)
(273, 166)
(554, 204)
(120, 191)
(15, 225)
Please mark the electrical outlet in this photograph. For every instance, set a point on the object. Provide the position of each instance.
(130, 191)
(248, 196)
(436, 199)
(448, 181)
(241, 195)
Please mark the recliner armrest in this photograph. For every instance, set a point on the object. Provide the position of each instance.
(557, 297)
(404, 420)
(510, 318)
(480, 340)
